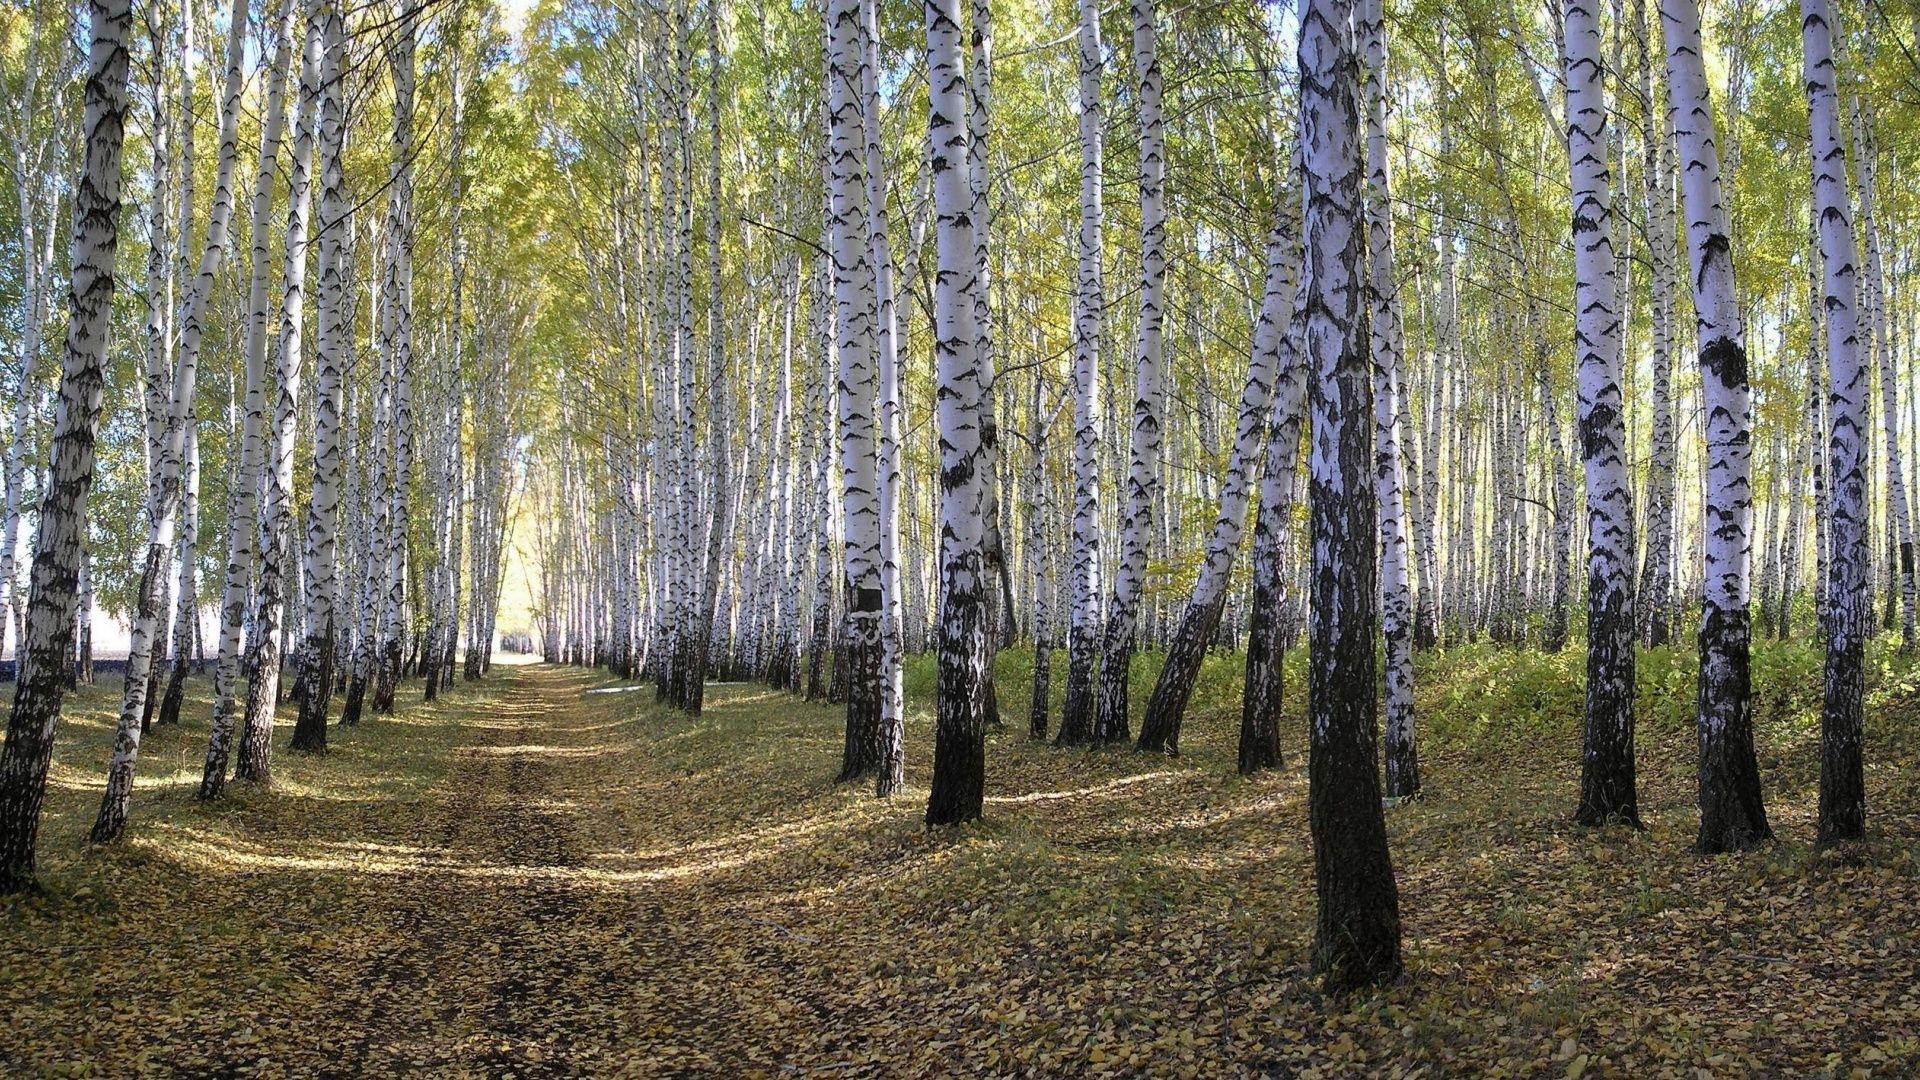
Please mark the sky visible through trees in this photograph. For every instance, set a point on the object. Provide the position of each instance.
(1375, 415)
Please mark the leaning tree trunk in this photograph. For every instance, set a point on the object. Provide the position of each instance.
(1607, 789)
(1842, 785)
(853, 293)
(960, 723)
(1358, 941)
(244, 500)
(1267, 629)
(163, 513)
(186, 616)
(1732, 814)
(1160, 729)
(45, 650)
(1143, 471)
(1089, 313)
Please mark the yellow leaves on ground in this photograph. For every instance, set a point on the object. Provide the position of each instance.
(534, 881)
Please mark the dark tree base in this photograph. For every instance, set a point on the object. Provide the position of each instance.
(1037, 707)
(1843, 796)
(1173, 688)
(176, 696)
(858, 662)
(355, 701)
(1403, 768)
(387, 680)
(959, 777)
(313, 692)
(1110, 721)
(1261, 697)
(1609, 791)
(1733, 815)
(1076, 720)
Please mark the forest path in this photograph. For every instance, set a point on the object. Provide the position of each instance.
(547, 938)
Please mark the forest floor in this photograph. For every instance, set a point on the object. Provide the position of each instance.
(537, 879)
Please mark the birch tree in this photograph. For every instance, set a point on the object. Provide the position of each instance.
(1387, 345)
(242, 553)
(1358, 940)
(854, 313)
(57, 547)
(1273, 538)
(959, 745)
(1732, 815)
(276, 510)
(1173, 688)
(1607, 789)
(1143, 471)
(1089, 313)
(1899, 517)
(890, 771)
(1842, 814)
(319, 552)
(396, 342)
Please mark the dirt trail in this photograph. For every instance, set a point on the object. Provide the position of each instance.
(531, 945)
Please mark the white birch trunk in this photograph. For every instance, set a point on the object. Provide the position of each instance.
(1732, 815)
(1111, 721)
(244, 501)
(332, 338)
(1387, 346)
(959, 754)
(1089, 315)
(1842, 814)
(1608, 793)
(58, 544)
(276, 511)
(854, 339)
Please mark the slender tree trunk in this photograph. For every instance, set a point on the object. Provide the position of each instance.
(1607, 788)
(1732, 814)
(1268, 628)
(332, 337)
(276, 513)
(1842, 781)
(396, 326)
(1111, 723)
(891, 771)
(1039, 544)
(1899, 517)
(854, 303)
(51, 601)
(1160, 730)
(1387, 345)
(960, 723)
(228, 702)
(1657, 571)
(186, 619)
(1089, 313)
